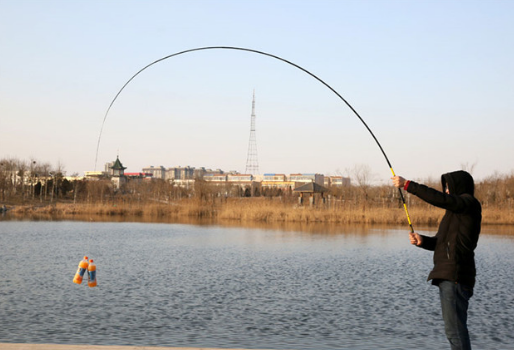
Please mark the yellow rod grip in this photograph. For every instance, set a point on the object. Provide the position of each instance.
(404, 206)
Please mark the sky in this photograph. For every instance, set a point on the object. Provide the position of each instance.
(433, 80)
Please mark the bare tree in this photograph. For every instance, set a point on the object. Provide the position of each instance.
(44, 173)
(363, 177)
(21, 172)
(32, 172)
(4, 183)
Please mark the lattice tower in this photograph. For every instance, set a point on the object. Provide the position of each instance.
(252, 164)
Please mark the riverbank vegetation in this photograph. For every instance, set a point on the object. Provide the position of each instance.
(158, 199)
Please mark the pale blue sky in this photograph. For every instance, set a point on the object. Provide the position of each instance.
(434, 80)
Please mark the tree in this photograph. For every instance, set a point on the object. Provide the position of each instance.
(21, 170)
(363, 177)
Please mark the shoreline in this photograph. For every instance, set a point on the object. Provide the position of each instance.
(245, 211)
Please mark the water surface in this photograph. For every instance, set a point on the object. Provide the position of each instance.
(228, 287)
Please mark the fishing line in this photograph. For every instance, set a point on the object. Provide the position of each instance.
(269, 55)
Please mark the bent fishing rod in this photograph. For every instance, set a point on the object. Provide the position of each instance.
(272, 56)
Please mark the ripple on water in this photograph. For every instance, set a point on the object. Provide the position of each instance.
(178, 285)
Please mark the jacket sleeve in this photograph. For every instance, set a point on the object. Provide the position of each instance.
(439, 199)
(428, 243)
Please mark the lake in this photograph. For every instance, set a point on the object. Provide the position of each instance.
(230, 287)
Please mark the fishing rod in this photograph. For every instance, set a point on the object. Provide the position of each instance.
(269, 55)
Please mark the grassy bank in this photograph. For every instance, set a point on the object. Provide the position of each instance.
(260, 210)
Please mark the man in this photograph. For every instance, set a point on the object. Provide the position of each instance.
(453, 245)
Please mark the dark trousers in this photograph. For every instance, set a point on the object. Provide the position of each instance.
(454, 303)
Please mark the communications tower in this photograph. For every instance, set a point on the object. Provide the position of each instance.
(252, 165)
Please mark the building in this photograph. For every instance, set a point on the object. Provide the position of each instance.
(94, 175)
(108, 168)
(227, 183)
(157, 172)
(274, 177)
(236, 178)
(305, 178)
(139, 176)
(276, 181)
(180, 173)
(215, 178)
(337, 181)
(118, 174)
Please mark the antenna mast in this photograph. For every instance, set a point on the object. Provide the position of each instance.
(252, 165)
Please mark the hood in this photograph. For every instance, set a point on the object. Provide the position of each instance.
(459, 182)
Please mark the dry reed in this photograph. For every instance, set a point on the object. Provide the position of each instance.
(263, 210)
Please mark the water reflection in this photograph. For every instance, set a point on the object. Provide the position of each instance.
(231, 287)
(307, 227)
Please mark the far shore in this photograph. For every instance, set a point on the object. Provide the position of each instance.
(248, 211)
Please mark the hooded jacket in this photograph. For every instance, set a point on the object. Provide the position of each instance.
(457, 236)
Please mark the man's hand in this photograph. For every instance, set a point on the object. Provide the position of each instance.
(415, 239)
(398, 181)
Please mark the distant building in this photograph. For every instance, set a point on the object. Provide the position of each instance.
(157, 172)
(180, 173)
(276, 181)
(246, 184)
(215, 172)
(94, 175)
(306, 178)
(73, 178)
(118, 174)
(199, 173)
(245, 178)
(226, 182)
(215, 177)
(337, 181)
(274, 177)
(187, 184)
(108, 168)
(139, 176)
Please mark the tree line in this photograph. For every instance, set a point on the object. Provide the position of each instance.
(32, 182)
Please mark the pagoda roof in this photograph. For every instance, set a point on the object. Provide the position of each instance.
(311, 187)
(117, 165)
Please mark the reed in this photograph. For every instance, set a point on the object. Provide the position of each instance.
(259, 210)
(269, 211)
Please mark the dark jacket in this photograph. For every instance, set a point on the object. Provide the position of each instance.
(457, 236)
